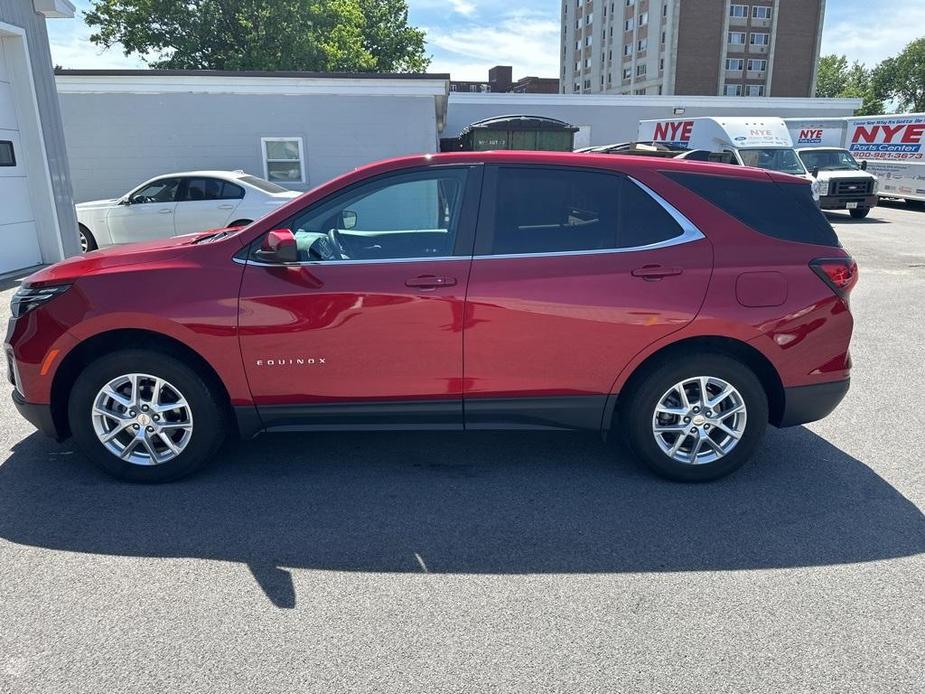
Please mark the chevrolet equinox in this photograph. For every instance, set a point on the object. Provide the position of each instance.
(683, 305)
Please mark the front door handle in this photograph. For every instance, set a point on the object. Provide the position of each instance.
(652, 273)
(430, 282)
(165, 211)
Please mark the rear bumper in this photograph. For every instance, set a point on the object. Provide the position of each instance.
(38, 415)
(838, 202)
(804, 404)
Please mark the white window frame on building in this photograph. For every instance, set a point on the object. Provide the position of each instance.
(761, 12)
(738, 11)
(754, 90)
(641, 70)
(735, 64)
(264, 155)
(736, 90)
(729, 38)
(643, 19)
(766, 41)
(642, 44)
(762, 62)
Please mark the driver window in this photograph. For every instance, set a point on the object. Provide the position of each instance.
(405, 216)
(164, 190)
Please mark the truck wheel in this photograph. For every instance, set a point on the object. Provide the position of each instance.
(859, 212)
(144, 416)
(696, 419)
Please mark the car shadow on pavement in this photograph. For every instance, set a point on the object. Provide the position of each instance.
(481, 503)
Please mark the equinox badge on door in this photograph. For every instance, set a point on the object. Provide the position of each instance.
(307, 361)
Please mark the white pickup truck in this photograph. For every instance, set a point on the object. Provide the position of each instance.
(844, 182)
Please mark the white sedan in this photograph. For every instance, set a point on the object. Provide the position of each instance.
(178, 203)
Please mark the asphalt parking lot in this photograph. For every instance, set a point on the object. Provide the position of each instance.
(493, 562)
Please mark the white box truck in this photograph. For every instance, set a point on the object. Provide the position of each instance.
(747, 141)
(894, 148)
(761, 142)
(844, 182)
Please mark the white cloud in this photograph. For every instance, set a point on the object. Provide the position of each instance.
(529, 43)
(74, 51)
(878, 38)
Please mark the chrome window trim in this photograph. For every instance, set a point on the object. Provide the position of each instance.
(379, 261)
(689, 233)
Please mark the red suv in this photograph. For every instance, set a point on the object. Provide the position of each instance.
(682, 304)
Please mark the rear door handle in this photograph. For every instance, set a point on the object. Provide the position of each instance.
(656, 272)
(226, 206)
(430, 281)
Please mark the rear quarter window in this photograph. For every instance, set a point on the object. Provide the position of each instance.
(784, 211)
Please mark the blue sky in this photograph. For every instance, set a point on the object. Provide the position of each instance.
(466, 37)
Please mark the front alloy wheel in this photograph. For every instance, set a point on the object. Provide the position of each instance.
(142, 419)
(146, 416)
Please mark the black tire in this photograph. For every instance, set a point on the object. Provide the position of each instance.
(241, 223)
(209, 422)
(87, 242)
(636, 413)
(859, 212)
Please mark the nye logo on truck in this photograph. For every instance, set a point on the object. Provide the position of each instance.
(677, 132)
(810, 136)
(888, 138)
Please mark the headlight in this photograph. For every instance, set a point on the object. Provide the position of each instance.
(823, 187)
(876, 185)
(814, 186)
(27, 298)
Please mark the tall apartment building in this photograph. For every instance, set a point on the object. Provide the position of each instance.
(693, 47)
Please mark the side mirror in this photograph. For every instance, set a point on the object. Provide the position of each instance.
(135, 200)
(815, 172)
(350, 219)
(279, 246)
(863, 165)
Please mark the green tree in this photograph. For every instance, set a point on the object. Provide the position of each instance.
(835, 78)
(322, 35)
(831, 76)
(902, 78)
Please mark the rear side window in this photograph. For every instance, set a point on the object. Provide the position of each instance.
(554, 210)
(212, 189)
(785, 211)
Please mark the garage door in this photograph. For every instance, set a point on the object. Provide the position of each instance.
(19, 244)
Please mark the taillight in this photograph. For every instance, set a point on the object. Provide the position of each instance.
(841, 274)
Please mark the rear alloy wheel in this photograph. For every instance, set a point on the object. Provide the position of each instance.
(145, 416)
(87, 242)
(859, 212)
(697, 420)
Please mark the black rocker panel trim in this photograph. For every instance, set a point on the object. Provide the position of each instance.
(566, 412)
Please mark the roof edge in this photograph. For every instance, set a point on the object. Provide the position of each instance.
(252, 73)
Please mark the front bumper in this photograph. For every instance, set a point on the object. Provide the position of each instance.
(839, 202)
(804, 404)
(38, 415)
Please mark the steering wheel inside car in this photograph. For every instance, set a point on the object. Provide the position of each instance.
(335, 237)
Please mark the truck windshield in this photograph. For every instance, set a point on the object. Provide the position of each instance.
(829, 160)
(784, 160)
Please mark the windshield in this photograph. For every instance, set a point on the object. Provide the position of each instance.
(263, 184)
(783, 160)
(829, 160)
